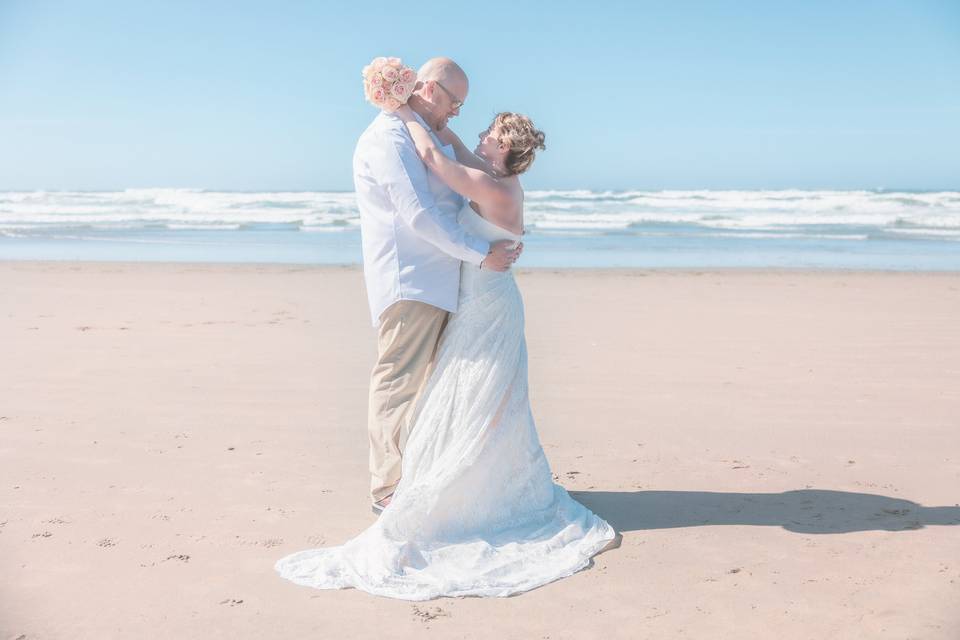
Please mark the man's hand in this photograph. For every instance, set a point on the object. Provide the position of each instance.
(502, 254)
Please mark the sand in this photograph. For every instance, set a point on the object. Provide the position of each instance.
(781, 451)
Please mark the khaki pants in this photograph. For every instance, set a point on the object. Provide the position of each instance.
(407, 340)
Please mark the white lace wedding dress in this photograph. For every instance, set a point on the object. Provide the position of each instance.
(476, 512)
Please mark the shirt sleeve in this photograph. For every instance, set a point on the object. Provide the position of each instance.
(404, 177)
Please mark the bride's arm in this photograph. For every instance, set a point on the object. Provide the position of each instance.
(464, 155)
(472, 183)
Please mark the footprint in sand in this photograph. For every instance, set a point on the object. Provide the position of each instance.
(429, 613)
(106, 542)
(181, 557)
(231, 602)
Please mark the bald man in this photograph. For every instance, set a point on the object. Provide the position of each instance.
(412, 250)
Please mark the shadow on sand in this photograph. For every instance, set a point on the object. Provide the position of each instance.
(802, 511)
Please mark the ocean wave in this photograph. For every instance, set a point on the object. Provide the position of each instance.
(940, 234)
(778, 212)
(203, 227)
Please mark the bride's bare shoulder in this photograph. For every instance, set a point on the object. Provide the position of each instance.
(507, 215)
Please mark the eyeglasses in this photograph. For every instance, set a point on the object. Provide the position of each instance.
(457, 103)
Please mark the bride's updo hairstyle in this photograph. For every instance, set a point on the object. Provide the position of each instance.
(521, 137)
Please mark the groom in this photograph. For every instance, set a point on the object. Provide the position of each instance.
(412, 250)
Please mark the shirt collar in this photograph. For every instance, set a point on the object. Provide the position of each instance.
(424, 123)
(421, 121)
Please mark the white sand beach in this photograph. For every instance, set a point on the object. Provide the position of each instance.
(780, 450)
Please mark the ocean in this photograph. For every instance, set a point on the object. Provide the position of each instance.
(875, 230)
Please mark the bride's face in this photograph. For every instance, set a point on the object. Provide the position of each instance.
(490, 148)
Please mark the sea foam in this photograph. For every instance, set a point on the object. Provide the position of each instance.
(788, 211)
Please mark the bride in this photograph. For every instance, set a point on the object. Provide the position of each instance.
(476, 511)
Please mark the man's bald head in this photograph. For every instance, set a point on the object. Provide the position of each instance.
(442, 70)
(441, 89)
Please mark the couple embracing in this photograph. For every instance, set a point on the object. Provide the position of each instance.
(465, 495)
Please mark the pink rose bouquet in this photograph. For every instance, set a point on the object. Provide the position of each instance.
(387, 83)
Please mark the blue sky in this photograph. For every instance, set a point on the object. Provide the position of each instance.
(102, 95)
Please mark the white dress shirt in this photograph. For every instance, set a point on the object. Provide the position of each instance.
(411, 241)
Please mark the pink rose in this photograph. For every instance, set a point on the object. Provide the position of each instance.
(379, 62)
(377, 96)
(390, 74)
(407, 76)
(400, 91)
(394, 61)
